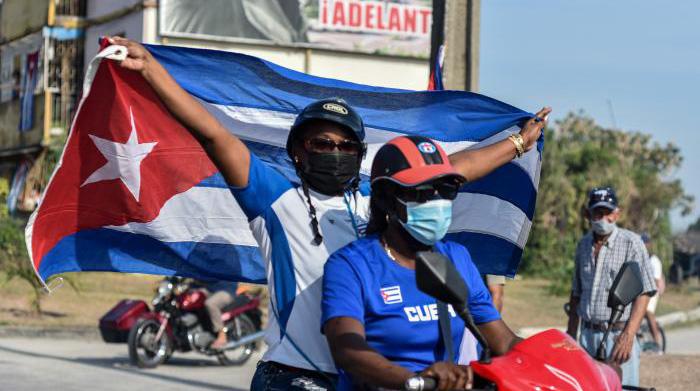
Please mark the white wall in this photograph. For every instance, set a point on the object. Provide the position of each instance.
(373, 70)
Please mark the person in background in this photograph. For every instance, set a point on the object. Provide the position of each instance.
(496, 285)
(219, 295)
(599, 256)
(660, 287)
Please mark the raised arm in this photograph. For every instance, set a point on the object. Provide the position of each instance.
(476, 163)
(228, 152)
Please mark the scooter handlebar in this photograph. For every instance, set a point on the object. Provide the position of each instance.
(420, 383)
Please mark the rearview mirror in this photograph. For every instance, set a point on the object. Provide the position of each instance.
(438, 277)
(626, 287)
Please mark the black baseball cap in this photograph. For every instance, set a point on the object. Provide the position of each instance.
(602, 197)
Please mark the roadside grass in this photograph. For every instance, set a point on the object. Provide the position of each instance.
(528, 302)
(98, 292)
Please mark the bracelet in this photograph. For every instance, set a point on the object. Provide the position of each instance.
(517, 139)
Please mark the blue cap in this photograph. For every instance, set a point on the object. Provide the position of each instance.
(602, 197)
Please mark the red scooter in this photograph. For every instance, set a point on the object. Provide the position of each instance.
(550, 360)
(178, 321)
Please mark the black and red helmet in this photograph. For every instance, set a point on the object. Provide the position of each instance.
(411, 161)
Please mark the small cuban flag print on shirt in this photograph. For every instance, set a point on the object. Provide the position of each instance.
(392, 294)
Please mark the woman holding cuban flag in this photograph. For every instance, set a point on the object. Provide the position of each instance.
(298, 226)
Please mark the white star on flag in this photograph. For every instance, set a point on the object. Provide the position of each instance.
(123, 160)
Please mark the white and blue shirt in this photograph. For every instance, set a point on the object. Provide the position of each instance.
(401, 322)
(279, 218)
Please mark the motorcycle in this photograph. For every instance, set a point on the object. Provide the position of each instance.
(550, 360)
(178, 321)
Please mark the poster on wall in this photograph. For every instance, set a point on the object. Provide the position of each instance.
(390, 27)
(13, 66)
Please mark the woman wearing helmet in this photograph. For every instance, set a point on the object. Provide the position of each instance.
(380, 327)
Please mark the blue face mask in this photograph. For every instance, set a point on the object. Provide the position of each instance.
(428, 222)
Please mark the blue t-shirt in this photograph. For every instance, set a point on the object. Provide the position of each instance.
(360, 281)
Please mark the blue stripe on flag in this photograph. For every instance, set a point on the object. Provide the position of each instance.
(234, 79)
(491, 254)
(116, 251)
(215, 181)
(510, 183)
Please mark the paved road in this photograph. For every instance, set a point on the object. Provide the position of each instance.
(683, 341)
(64, 364)
(34, 364)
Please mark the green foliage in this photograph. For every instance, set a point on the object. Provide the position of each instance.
(579, 155)
(14, 259)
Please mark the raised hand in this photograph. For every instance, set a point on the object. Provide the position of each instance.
(137, 59)
(533, 128)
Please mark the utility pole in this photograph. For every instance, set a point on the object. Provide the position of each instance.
(456, 23)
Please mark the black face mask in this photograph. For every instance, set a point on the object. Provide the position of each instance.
(331, 173)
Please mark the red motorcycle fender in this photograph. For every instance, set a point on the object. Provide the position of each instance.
(250, 305)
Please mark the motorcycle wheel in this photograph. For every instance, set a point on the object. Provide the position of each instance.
(144, 351)
(237, 328)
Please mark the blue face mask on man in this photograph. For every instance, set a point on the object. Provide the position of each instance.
(427, 222)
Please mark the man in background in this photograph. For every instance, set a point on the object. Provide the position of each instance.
(496, 285)
(219, 295)
(657, 272)
(600, 255)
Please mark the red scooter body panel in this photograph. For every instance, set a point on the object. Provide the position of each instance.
(191, 300)
(550, 360)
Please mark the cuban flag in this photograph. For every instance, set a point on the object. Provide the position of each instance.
(135, 192)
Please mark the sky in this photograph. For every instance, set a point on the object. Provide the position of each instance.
(641, 56)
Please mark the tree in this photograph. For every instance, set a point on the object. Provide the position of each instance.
(14, 259)
(579, 155)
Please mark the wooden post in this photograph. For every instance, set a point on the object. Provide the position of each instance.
(460, 24)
